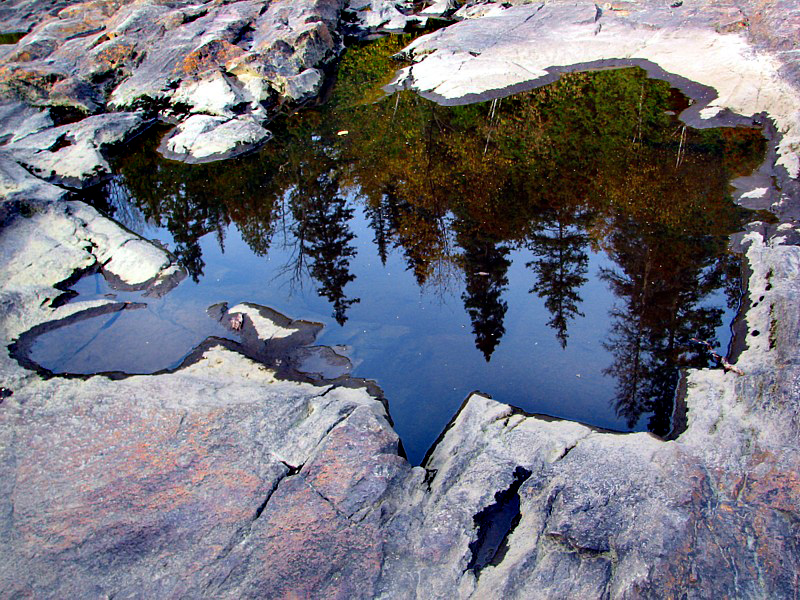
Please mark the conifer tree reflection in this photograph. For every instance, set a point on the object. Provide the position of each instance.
(322, 228)
(485, 266)
(662, 281)
(560, 244)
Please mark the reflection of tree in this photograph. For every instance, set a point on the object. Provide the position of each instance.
(660, 295)
(485, 265)
(380, 220)
(192, 201)
(588, 160)
(560, 267)
(668, 239)
(323, 233)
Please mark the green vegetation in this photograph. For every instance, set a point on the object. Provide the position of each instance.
(12, 38)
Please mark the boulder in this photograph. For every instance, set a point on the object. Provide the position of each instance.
(203, 138)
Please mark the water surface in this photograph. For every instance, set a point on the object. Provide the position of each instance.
(556, 249)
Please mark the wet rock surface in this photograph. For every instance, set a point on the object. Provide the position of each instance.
(222, 479)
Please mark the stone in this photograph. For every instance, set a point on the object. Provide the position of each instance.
(173, 61)
(214, 95)
(388, 16)
(304, 85)
(224, 478)
(18, 120)
(72, 155)
(464, 63)
(439, 9)
(204, 138)
(18, 184)
(216, 479)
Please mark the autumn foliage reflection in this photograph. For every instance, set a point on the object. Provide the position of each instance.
(596, 161)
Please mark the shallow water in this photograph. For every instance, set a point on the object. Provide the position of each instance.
(557, 249)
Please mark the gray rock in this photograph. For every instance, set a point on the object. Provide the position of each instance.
(203, 138)
(180, 484)
(175, 60)
(385, 16)
(16, 183)
(222, 480)
(464, 62)
(72, 155)
(18, 120)
(304, 85)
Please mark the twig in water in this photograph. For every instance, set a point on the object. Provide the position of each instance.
(681, 150)
(726, 366)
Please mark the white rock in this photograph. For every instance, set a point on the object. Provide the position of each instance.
(437, 9)
(213, 95)
(756, 193)
(467, 59)
(204, 138)
(18, 184)
(71, 154)
(265, 328)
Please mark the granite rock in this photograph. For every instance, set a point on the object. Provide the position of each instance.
(225, 479)
(465, 62)
(202, 138)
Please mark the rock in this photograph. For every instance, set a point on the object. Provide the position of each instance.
(18, 120)
(204, 138)
(303, 86)
(388, 16)
(22, 15)
(214, 95)
(223, 480)
(71, 155)
(438, 9)
(216, 480)
(321, 532)
(228, 60)
(77, 94)
(18, 184)
(464, 62)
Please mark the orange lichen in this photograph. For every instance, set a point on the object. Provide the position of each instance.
(209, 56)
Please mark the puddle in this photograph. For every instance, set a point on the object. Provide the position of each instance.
(557, 249)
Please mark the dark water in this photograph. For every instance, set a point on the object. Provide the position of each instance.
(556, 249)
(12, 38)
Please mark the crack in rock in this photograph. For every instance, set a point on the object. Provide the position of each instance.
(495, 524)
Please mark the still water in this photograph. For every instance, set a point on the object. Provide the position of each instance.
(556, 249)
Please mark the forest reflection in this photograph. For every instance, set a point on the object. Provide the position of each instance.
(594, 162)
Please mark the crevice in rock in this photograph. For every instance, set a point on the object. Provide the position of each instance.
(292, 469)
(243, 532)
(567, 450)
(495, 524)
(327, 500)
(61, 142)
(430, 475)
